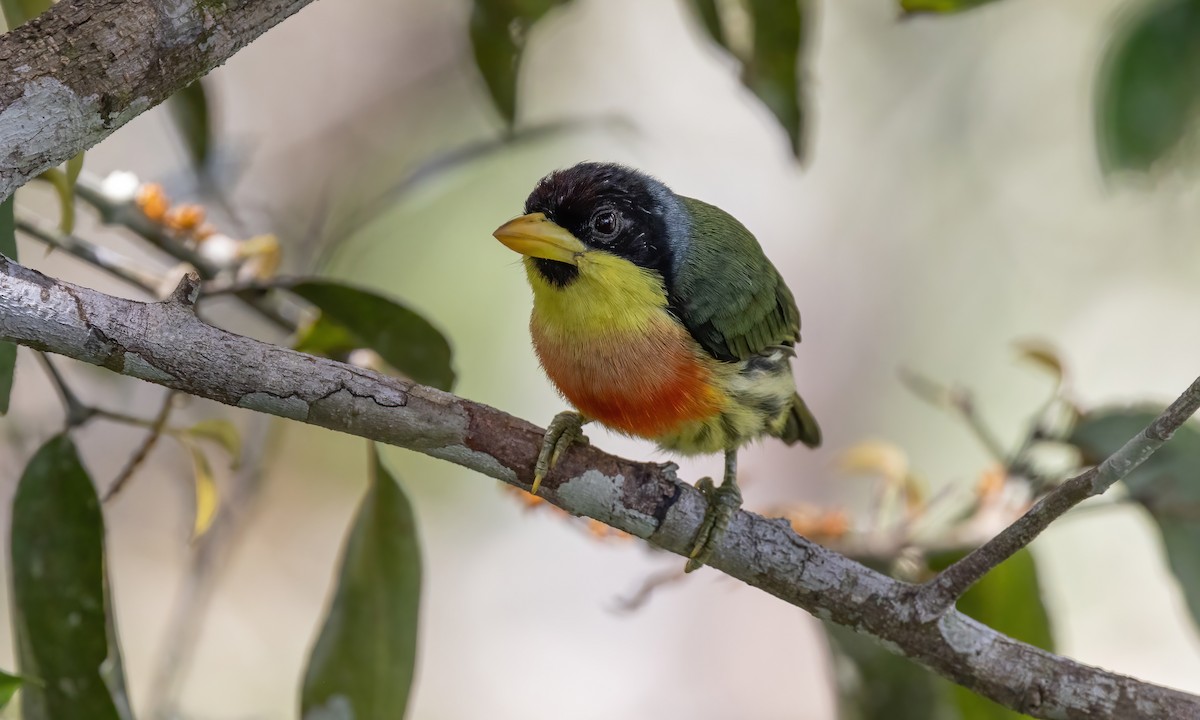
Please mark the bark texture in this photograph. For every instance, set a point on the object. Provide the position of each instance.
(165, 343)
(84, 68)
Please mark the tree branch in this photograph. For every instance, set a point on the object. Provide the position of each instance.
(82, 69)
(165, 343)
(940, 593)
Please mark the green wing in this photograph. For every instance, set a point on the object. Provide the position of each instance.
(728, 294)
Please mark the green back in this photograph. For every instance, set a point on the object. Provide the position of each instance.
(730, 296)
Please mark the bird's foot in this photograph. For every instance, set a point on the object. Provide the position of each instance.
(723, 502)
(566, 428)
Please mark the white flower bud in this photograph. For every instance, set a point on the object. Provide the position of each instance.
(120, 186)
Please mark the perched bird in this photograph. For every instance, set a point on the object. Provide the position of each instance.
(660, 317)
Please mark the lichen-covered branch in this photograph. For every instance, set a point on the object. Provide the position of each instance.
(82, 69)
(165, 343)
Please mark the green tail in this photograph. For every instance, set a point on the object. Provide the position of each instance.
(801, 425)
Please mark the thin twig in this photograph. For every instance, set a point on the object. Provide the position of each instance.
(131, 217)
(939, 595)
(209, 556)
(139, 456)
(960, 401)
(113, 263)
(76, 411)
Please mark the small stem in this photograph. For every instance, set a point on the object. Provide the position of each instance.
(156, 430)
(939, 595)
(87, 189)
(77, 412)
(110, 262)
(961, 401)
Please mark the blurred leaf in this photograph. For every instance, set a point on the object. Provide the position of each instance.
(780, 33)
(404, 339)
(189, 109)
(499, 30)
(940, 6)
(64, 186)
(1043, 355)
(74, 167)
(1147, 89)
(207, 497)
(9, 684)
(8, 351)
(1009, 600)
(875, 684)
(1167, 484)
(61, 607)
(19, 12)
(362, 664)
(710, 17)
(221, 431)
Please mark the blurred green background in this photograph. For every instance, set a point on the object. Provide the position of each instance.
(952, 202)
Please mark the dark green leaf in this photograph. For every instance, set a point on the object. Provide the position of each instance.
(8, 351)
(499, 31)
(61, 609)
(875, 684)
(19, 12)
(189, 110)
(780, 34)
(362, 664)
(940, 6)
(1167, 484)
(9, 684)
(1147, 90)
(710, 16)
(404, 339)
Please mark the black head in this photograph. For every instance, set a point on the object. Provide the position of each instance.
(611, 208)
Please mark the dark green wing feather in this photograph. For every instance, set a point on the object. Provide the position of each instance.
(726, 291)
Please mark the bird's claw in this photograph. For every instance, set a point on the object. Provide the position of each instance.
(564, 430)
(723, 502)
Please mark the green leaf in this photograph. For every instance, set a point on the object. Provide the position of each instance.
(220, 431)
(1167, 484)
(9, 684)
(190, 110)
(404, 339)
(18, 12)
(875, 684)
(499, 30)
(710, 17)
(1147, 92)
(362, 664)
(61, 609)
(940, 6)
(8, 351)
(64, 186)
(771, 72)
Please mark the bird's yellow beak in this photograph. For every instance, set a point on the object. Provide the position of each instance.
(536, 236)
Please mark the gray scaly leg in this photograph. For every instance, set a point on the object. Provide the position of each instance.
(564, 429)
(723, 502)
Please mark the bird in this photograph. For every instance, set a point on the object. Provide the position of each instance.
(660, 317)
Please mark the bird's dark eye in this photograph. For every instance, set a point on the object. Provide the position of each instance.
(606, 224)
